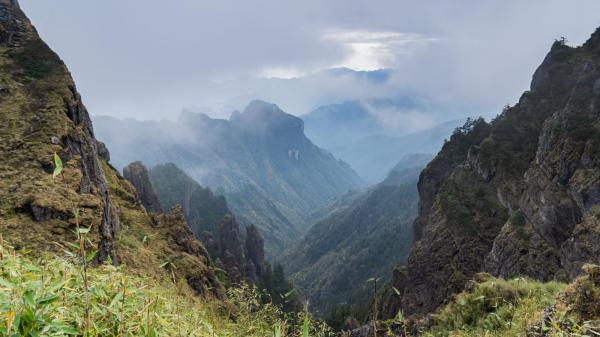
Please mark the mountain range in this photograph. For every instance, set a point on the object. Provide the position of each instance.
(260, 160)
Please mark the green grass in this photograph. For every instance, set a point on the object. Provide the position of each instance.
(46, 297)
(496, 307)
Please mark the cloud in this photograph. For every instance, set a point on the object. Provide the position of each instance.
(151, 58)
(372, 50)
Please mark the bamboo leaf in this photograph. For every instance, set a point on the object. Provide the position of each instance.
(58, 166)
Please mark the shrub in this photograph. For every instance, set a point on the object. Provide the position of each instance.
(45, 297)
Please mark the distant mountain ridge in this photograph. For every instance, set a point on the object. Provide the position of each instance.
(260, 160)
(352, 131)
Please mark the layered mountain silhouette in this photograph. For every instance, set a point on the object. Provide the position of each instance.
(259, 159)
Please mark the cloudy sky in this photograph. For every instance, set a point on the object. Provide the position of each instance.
(150, 59)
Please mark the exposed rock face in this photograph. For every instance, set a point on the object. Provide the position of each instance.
(255, 252)
(242, 262)
(137, 174)
(519, 195)
(232, 253)
(42, 113)
(204, 280)
(203, 209)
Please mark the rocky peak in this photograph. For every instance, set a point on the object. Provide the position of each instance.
(518, 197)
(263, 117)
(231, 249)
(45, 115)
(255, 250)
(137, 174)
(14, 3)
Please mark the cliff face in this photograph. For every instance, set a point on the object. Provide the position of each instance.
(137, 174)
(202, 208)
(41, 113)
(518, 196)
(244, 262)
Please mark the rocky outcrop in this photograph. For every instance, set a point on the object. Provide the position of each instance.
(42, 113)
(183, 244)
(518, 195)
(137, 174)
(203, 209)
(231, 249)
(255, 253)
(242, 262)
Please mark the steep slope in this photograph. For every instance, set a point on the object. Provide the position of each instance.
(203, 210)
(363, 239)
(518, 196)
(260, 160)
(137, 174)
(42, 114)
(241, 254)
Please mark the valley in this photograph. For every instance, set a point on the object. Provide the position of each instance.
(380, 213)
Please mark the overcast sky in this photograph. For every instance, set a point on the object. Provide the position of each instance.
(149, 59)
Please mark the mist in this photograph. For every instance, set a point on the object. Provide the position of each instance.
(151, 59)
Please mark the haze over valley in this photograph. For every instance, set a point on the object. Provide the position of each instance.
(294, 169)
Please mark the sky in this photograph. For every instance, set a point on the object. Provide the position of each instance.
(150, 59)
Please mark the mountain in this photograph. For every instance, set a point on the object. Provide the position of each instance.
(44, 127)
(203, 209)
(270, 173)
(137, 174)
(240, 254)
(517, 196)
(365, 237)
(364, 139)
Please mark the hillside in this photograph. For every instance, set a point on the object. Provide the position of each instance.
(43, 115)
(365, 237)
(203, 210)
(259, 159)
(517, 196)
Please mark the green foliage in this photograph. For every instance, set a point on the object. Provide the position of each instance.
(281, 290)
(496, 307)
(583, 296)
(58, 166)
(467, 202)
(203, 209)
(518, 219)
(36, 60)
(367, 237)
(45, 297)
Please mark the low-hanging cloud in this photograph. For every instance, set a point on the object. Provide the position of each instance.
(150, 58)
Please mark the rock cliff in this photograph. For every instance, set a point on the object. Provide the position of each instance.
(42, 114)
(137, 174)
(517, 196)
